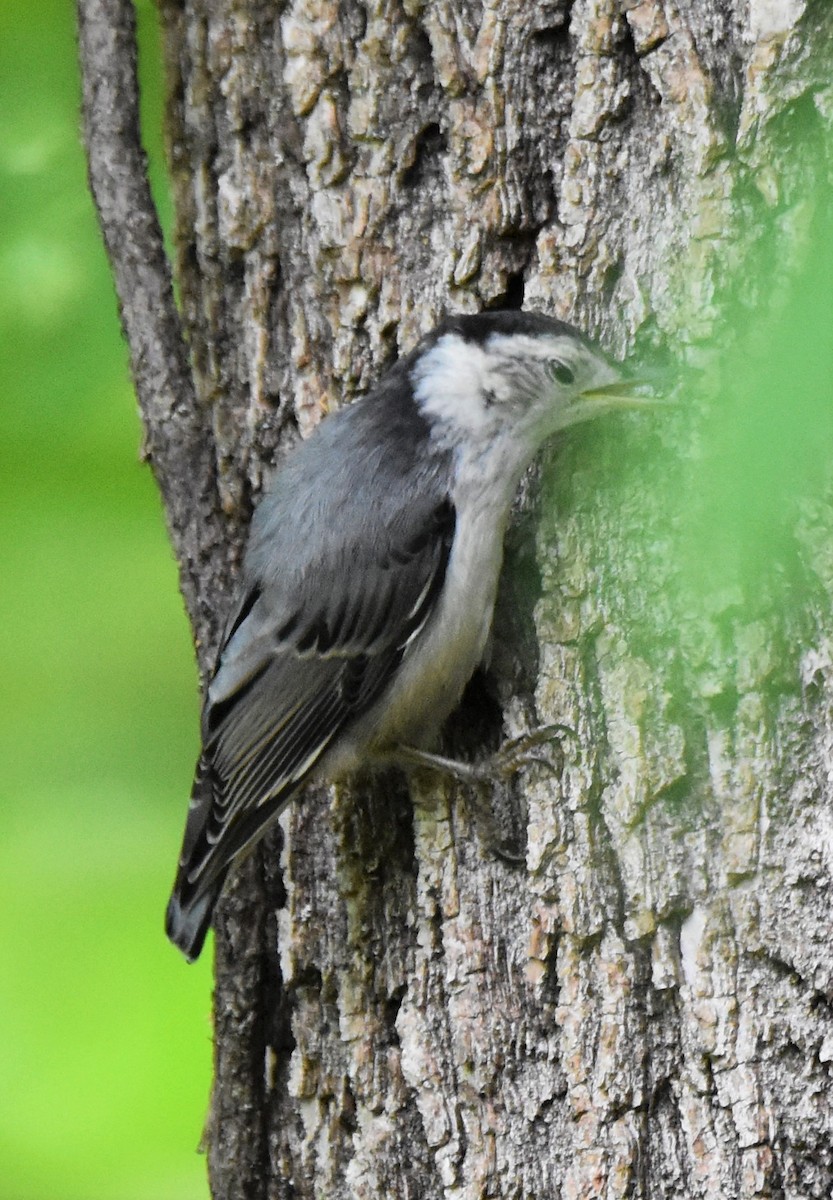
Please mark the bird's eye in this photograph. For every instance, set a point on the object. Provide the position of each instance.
(561, 373)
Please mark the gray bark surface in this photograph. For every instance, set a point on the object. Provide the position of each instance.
(638, 1002)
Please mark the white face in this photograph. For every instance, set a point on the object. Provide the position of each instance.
(527, 385)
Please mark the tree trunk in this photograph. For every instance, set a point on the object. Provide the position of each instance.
(620, 982)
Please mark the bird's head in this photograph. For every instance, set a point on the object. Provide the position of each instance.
(516, 375)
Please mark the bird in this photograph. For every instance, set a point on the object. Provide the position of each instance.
(369, 579)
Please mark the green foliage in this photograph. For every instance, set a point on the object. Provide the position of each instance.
(105, 1065)
(722, 499)
(766, 442)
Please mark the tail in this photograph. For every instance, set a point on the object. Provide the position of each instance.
(187, 921)
(215, 837)
(196, 890)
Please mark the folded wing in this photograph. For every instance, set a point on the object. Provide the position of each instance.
(298, 665)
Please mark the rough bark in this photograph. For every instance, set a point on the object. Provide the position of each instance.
(640, 1004)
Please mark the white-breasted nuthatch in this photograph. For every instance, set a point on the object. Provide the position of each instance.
(370, 576)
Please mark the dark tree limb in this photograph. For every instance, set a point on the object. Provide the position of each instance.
(175, 437)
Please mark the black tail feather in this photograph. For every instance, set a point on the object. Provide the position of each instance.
(192, 901)
(187, 921)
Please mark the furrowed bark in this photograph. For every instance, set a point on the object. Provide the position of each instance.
(641, 1005)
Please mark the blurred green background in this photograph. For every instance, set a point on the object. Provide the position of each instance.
(105, 1048)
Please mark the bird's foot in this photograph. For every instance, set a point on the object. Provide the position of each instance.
(516, 754)
(541, 747)
(513, 756)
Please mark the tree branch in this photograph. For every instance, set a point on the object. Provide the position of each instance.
(175, 440)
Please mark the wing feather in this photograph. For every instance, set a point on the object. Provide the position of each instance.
(298, 665)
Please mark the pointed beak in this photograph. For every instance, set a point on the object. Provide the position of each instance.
(645, 390)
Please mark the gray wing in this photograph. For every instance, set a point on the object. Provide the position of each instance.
(299, 664)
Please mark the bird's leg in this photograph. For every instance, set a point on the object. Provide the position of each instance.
(411, 756)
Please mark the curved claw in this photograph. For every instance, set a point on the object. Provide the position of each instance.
(514, 755)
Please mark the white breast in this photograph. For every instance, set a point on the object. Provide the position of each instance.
(441, 659)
